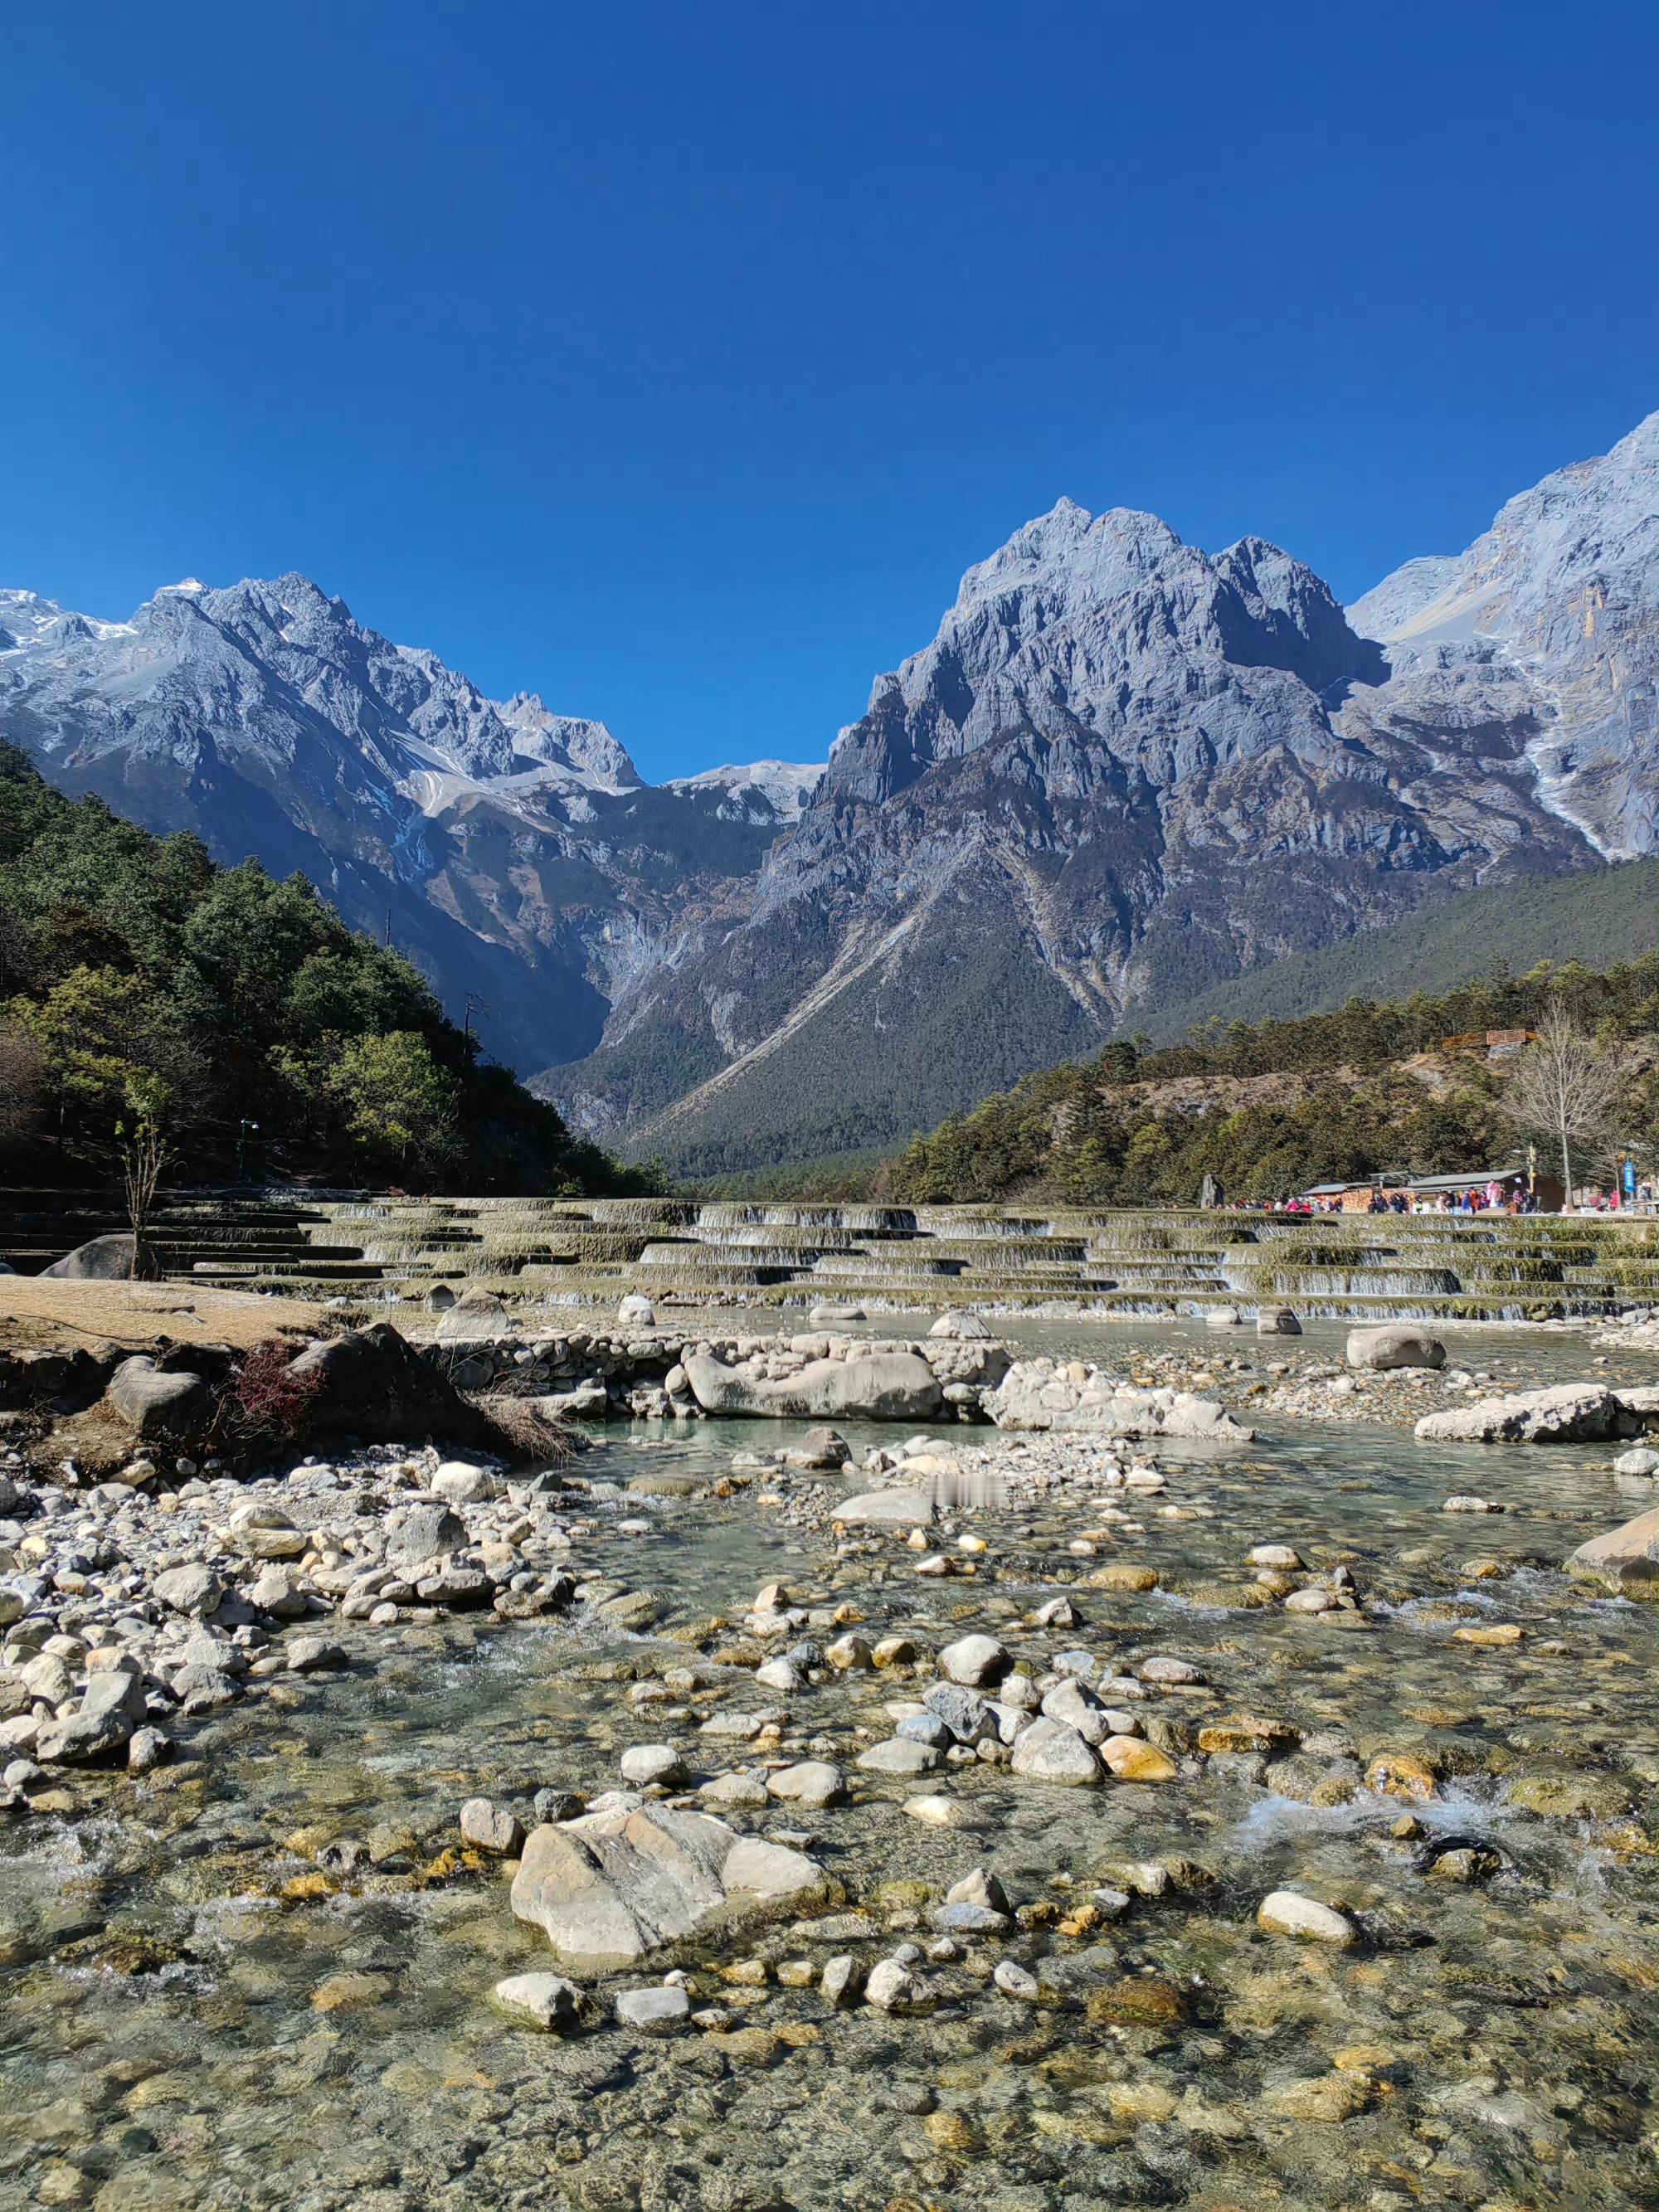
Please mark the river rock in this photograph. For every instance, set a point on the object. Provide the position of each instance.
(426, 1532)
(490, 1827)
(612, 1886)
(813, 1781)
(1287, 1913)
(1277, 1321)
(904, 1509)
(546, 2001)
(101, 1725)
(193, 1590)
(898, 1755)
(1625, 1558)
(1567, 1413)
(891, 1987)
(636, 1311)
(962, 1327)
(1393, 1344)
(644, 1764)
(974, 1660)
(660, 2011)
(820, 1448)
(969, 1718)
(1049, 1751)
(1641, 1461)
(1035, 1394)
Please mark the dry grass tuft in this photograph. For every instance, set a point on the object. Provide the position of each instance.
(523, 1433)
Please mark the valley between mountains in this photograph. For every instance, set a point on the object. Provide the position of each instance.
(1123, 775)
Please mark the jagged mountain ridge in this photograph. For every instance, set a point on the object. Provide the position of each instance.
(514, 852)
(1125, 769)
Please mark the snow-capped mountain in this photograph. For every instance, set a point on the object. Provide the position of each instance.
(512, 851)
(1125, 769)
(1122, 770)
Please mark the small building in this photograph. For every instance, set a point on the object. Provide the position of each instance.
(1430, 1193)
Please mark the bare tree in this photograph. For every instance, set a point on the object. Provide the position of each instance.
(141, 1140)
(1568, 1089)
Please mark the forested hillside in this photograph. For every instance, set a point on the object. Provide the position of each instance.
(1272, 1108)
(237, 1015)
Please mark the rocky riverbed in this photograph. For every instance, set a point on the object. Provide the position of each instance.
(1097, 1820)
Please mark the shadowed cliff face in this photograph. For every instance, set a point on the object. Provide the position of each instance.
(1124, 770)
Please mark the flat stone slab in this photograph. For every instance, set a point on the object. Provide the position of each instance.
(904, 1509)
(612, 1886)
(1567, 1412)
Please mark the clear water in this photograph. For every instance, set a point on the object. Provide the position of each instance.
(1497, 2040)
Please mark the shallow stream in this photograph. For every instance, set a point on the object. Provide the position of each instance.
(178, 2034)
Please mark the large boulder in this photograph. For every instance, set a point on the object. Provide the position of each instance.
(1035, 1393)
(1566, 1413)
(111, 1707)
(1625, 1560)
(476, 1315)
(1395, 1345)
(155, 1406)
(612, 1886)
(370, 1384)
(961, 1328)
(101, 1260)
(868, 1386)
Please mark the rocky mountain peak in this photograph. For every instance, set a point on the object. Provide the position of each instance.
(1103, 624)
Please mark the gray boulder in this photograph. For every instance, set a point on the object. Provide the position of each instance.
(1049, 1751)
(372, 1384)
(427, 1532)
(869, 1386)
(157, 1406)
(1394, 1344)
(193, 1590)
(610, 1888)
(963, 1328)
(101, 1260)
(546, 2001)
(898, 1755)
(110, 1708)
(1034, 1395)
(1277, 1321)
(974, 1660)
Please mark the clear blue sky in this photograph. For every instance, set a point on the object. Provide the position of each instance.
(673, 359)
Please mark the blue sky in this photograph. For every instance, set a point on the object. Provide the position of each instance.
(674, 360)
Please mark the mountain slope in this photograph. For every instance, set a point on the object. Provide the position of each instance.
(1547, 628)
(514, 853)
(1123, 772)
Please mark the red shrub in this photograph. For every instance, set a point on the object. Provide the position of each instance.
(267, 1402)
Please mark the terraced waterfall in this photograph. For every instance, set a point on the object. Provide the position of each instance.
(1106, 1261)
